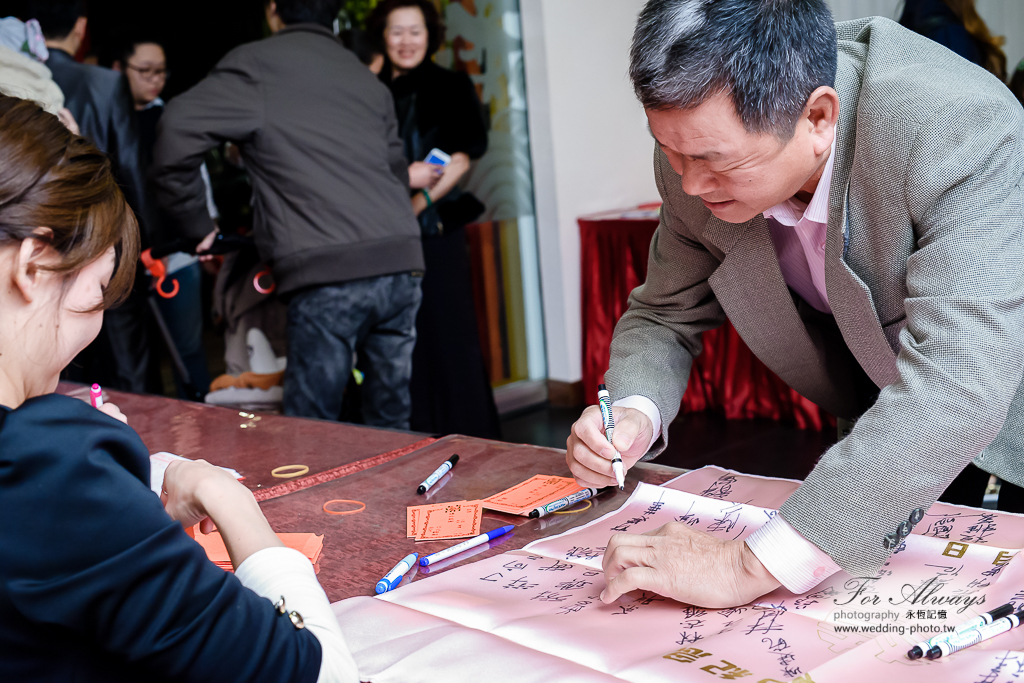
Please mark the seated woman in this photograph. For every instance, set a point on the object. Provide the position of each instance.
(98, 579)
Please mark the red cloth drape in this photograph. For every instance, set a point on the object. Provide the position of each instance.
(727, 378)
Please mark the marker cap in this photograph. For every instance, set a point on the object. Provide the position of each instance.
(1002, 611)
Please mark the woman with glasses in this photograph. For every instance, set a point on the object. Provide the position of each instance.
(144, 63)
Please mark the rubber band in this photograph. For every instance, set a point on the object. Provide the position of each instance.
(344, 512)
(283, 473)
(575, 512)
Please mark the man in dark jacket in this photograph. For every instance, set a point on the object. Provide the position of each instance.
(100, 101)
(332, 215)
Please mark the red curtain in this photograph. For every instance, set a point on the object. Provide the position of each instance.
(727, 378)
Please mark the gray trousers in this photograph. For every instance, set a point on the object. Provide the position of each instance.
(327, 325)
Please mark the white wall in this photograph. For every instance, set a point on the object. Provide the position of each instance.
(589, 143)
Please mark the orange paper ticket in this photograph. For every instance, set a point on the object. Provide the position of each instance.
(446, 520)
(309, 545)
(538, 490)
(413, 517)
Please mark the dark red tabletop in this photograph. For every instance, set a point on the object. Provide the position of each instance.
(196, 430)
(380, 468)
(360, 548)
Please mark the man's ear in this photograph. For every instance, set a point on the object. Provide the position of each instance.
(821, 113)
(27, 272)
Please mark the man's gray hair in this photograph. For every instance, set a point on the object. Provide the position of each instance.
(769, 55)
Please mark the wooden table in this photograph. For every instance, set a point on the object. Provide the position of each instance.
(386, 467)
(359, 549)
(196, 430)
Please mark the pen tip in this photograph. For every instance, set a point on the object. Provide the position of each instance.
(421, 490)
(622, 488)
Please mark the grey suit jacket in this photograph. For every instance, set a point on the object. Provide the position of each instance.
(924, 271)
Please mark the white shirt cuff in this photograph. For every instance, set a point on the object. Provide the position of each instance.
(275, 572)
(648, 408)
(798, 564)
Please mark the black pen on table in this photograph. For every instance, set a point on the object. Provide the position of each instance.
(437, 474)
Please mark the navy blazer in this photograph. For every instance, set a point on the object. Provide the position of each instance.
(101, 102)
(98, 583)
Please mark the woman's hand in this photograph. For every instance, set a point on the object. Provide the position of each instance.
(190, 485)
(197, 492)
(113, 411)
(423, 175)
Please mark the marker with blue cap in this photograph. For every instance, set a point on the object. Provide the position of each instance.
(394, 577)
(466, 545)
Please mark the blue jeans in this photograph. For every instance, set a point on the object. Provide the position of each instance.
(374, 317)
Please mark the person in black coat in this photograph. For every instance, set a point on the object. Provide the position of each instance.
(99, 580)
(439, 109)
(956, 24)
(101, 103)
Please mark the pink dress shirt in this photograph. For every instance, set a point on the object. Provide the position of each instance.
(798, 232)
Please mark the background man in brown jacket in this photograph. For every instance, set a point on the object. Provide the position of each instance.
(318, 135)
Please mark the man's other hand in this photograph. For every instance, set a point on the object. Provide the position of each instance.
(588, 453)
(686, 565)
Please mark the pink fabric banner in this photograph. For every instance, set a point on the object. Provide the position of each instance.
(535, 615)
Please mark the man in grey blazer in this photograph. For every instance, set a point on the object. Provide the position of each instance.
(849, 196)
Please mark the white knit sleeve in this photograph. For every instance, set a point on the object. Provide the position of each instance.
(275, 572)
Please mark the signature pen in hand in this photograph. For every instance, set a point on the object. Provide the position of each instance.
(605, 401)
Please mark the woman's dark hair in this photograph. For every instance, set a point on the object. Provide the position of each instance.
(919, 16)
(50, 177)
(378, 21)
(124, 44)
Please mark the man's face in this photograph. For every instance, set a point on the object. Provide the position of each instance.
(735, 173)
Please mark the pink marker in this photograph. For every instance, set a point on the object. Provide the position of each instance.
(96, 396)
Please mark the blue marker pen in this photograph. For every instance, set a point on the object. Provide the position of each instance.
(394, 577)
(466, 545)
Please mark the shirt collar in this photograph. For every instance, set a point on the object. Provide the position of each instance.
(792, 211)
(155, 103)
